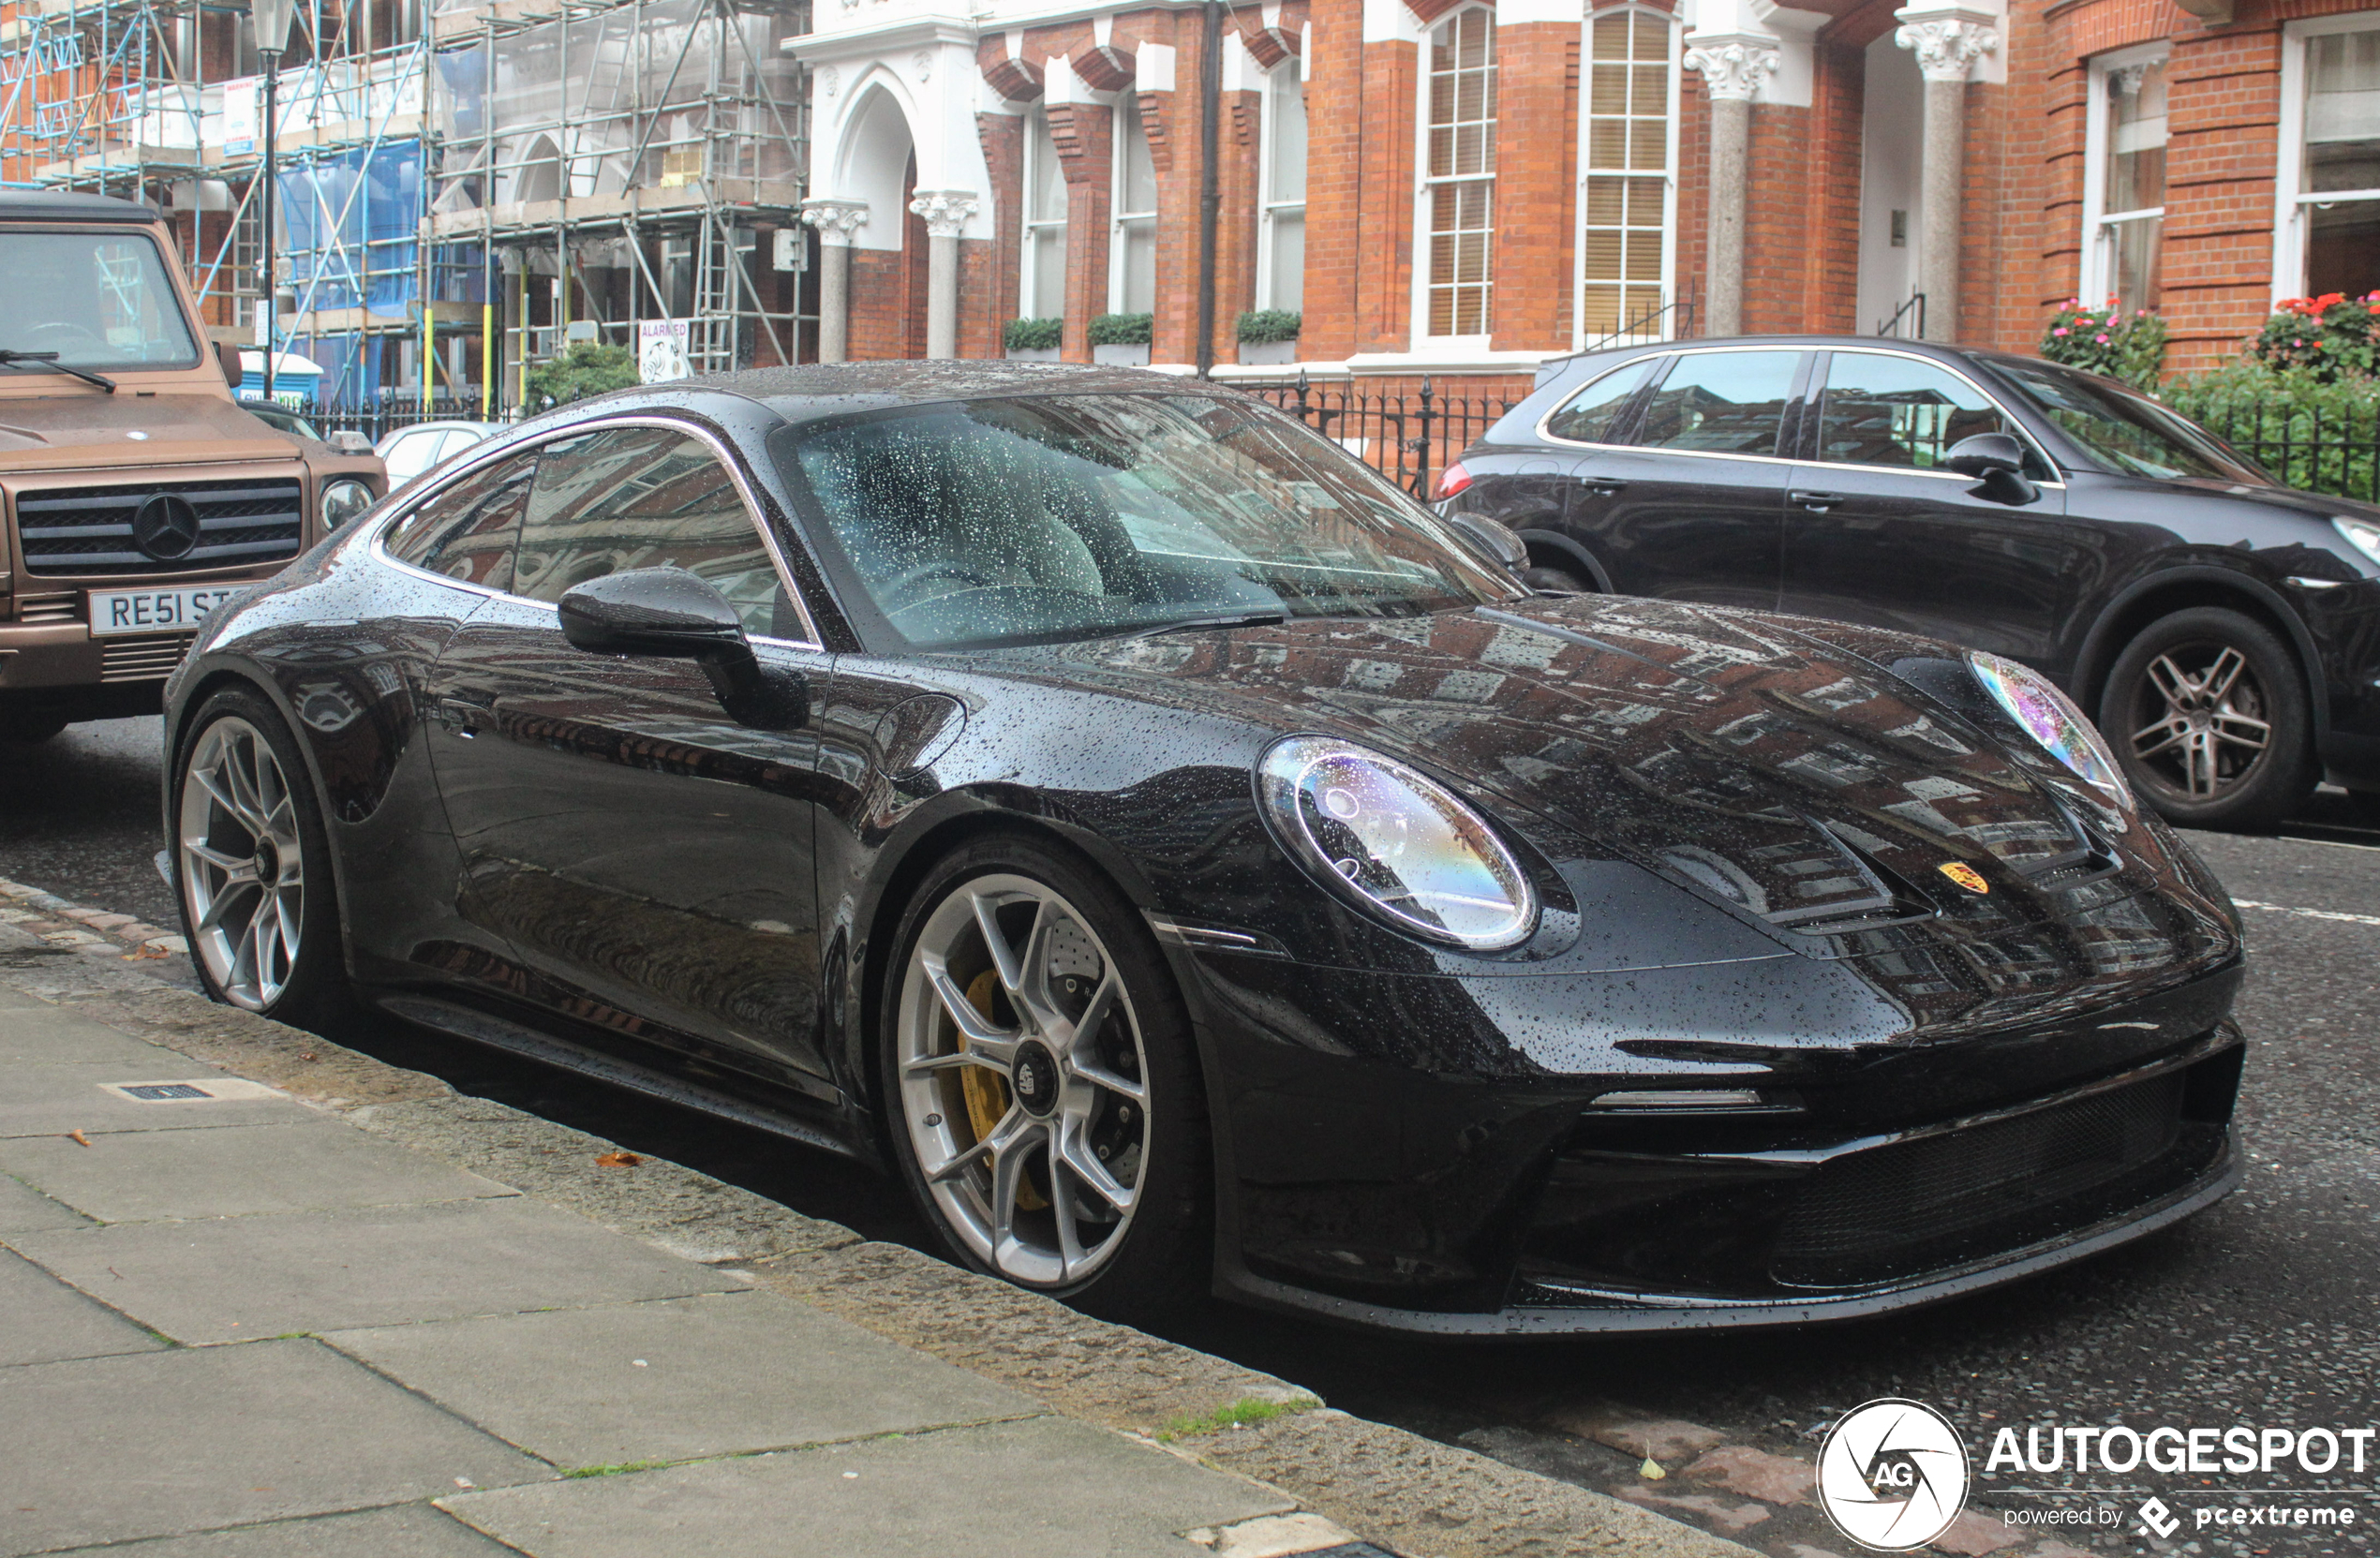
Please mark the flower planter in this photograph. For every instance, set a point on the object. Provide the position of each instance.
(1122, 357)
(1032, 354)
(1267, 354)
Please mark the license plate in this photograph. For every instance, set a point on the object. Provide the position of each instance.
(154, 611)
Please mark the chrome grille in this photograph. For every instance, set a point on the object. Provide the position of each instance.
(88, 531)
(141, 660)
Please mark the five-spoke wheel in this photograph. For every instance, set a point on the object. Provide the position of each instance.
(2207, 711)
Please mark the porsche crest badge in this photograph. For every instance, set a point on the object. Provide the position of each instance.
(1966, 876)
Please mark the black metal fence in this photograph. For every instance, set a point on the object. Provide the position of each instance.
(2335, 452)
(1408, 438)
(377, 420)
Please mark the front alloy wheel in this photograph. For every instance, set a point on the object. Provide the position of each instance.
(2208, 713)
(243, 864)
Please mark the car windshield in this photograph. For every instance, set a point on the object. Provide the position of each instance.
(2127, 433)
(99, 300)
(1079, 516)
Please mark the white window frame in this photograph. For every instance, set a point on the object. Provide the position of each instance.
(2290, 200)
(1267, 207)
(1669, 195)
(2098, 279)
(1423, 183)
(1028, 275)
(1127, 109)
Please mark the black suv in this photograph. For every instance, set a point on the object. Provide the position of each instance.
(2223, 630)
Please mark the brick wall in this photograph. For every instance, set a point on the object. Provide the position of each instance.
(990, 302)
(1535, 185)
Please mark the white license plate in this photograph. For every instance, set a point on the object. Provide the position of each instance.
(154, 611)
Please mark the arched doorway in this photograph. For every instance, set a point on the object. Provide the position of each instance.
(889, 253)
(1892, 155)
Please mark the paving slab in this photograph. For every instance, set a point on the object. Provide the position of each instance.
(51, 1100)
(238, 1278)
(36, 1033)
(399, 1531)
(140, 1176)
(25, 1210)
(197, 1438)
(678, 1379)
(48, 1321)
(1032, 1490)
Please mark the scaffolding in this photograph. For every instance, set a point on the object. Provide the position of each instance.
(463, 189)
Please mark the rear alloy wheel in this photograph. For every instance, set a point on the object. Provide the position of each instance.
(251, 864)
(1046, 1100)
(2208, 712)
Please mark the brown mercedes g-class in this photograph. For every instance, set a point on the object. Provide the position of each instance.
(138, 495)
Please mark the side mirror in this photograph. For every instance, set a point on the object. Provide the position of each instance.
(670, 614)
(227, 357)
(1996, 459)
(1494, 537)
(347, 440)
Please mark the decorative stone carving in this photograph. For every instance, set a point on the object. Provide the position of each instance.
(1736, 68)
(2124, 81)
(1947, 47)
(835, 219)
(921, 64)
(830, 81)
(945, 211)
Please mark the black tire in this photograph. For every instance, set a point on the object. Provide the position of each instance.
(1557, 580)
(2184, 702)
(315, 993)
(1163, 1253)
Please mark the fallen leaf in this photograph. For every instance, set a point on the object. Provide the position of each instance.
(1651, 1471)
(617, 1160)
(307, 1055)
(143, 953)
(78, 1139)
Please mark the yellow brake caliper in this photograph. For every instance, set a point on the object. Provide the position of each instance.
(986, 1095)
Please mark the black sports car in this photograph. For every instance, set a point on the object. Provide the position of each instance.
(1188, 863)
(2224, 628)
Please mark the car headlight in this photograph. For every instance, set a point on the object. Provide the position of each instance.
(2051, 718)
(2361, 534)
(1396, 843)
(343, 500)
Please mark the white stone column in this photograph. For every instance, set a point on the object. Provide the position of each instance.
(1947, 41)
(835, 221)
(1734, 65)
(945, 211)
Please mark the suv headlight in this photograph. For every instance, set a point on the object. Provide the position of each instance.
(2051, 718)
(2361, 534)
(1396, 843)
(343, 500)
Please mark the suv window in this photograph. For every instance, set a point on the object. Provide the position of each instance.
(1882, 410)
(467, 530)
(1728, 402)
(1589, 416)
(646, 498)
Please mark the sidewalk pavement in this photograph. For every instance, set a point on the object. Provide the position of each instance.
(266, 1296)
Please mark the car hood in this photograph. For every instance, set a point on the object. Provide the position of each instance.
(2316, 506)
(1797, 783)
(43, 431)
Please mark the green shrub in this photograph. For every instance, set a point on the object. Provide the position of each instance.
(1123, 330)
(2313, 432)
(588, 368)
(1034, 335)
(2329, 337)
(1262, 327)
(2129, 347)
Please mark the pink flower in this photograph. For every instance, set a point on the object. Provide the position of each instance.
(2059, 331)
(2103, 340)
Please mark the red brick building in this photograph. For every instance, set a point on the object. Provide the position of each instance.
(1452, 187)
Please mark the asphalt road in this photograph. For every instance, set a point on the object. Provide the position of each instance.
(2260, 1312)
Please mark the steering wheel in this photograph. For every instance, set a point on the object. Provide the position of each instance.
(76, 331)
(911, 590)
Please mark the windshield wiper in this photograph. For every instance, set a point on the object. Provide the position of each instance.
(1191, 624)
(50, 360)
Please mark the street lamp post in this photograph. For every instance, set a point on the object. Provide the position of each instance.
(272, 19)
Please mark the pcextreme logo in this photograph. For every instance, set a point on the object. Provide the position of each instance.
(1893, 1474)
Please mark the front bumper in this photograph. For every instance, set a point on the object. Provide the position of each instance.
(57, 666)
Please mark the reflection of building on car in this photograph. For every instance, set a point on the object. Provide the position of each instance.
(1190, 864)
(140, 494)
(411, 450)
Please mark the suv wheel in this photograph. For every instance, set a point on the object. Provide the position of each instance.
(1556, 581)
(2208, 713)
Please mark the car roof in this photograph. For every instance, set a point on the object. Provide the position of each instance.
(813, 391)
(41, 205)
(1808, 343)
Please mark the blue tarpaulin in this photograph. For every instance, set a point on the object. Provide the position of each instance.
(351, 218)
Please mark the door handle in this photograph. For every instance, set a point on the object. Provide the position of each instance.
(463, 713)
(1818, 502)
(1604, 486)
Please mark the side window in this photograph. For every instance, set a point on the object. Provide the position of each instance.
(1728, 402)
(1898, 411)
(1590, 415)
(467, 532)
(646, 498)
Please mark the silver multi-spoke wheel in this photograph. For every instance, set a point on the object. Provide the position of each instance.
(1023, 1080)
(243, 863)
(2203, 727)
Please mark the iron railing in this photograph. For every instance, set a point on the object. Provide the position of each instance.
(378, 420)
(1672, 321)
(1406, 439)
(2302, 447)
(1915, 329)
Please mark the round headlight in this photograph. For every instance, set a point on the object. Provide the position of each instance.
(1395, 844)
(343, 500)
(2051, 718)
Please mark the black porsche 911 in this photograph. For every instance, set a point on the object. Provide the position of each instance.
(1192, 867)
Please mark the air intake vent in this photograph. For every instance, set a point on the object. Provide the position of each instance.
(89, 530)
(50, 609)
(141, 660)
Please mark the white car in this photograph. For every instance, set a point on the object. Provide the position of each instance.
(411, 450)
